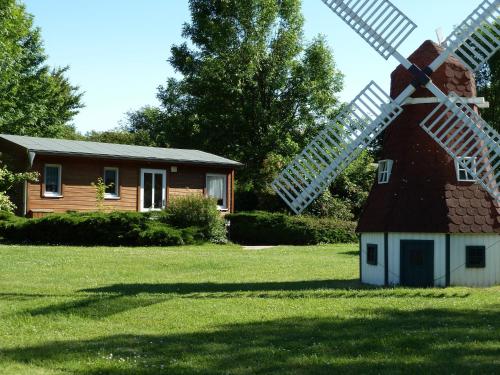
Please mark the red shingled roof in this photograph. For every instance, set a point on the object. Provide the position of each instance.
(423, 194)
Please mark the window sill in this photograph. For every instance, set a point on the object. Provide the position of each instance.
(112, 198)
(53, 196)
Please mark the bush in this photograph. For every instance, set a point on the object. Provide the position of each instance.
(259, 228)
(196, 211)
(98, 228)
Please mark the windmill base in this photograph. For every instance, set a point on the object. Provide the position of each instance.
(430, 259)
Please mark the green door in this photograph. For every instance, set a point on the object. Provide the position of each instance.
(417, 263)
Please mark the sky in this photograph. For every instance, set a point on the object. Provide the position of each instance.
(117, 50)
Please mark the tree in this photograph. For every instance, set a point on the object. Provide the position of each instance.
(120, 136)
(488, 85)
(8, 181)
(251, 88)
(34, 99)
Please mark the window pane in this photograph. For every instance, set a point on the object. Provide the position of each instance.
(110, 181)
(148, 190)
(158, 190)
(52, 179)
(215, 188)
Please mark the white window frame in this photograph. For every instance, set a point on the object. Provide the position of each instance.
(459, 168)
(384, 175)
(115, 195)
(50, 194)
(224, 198)
(163, 172)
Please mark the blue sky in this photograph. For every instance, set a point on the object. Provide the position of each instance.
(117, 49)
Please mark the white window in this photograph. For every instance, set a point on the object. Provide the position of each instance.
(112, 183)
(216, 188)
(384, 171)
(462, 173)
(52, 180)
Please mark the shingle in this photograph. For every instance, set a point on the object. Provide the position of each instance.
(107, 150)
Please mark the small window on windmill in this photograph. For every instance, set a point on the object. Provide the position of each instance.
(475, 256)
(371, 254)
(462, 173)
(384, 171)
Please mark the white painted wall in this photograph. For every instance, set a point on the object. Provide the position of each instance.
(460, 275)
(439, 255)
(371, 274)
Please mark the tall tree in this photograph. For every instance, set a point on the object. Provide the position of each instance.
(488, 84)
(34, 99)
(250, 89)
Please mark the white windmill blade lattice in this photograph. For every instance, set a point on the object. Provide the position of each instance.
(334, 148)
(379, 22)
(476, 39)
(468, 139)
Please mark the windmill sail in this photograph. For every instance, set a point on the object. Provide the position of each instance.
(331, 151)
(379, 22)
(476, 39)
(468, 139)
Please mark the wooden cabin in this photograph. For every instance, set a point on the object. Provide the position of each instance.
(137, 178)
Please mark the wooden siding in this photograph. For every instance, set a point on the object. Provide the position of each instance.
(439, 255)
(79, 173)
(489, 275)
(372, 274)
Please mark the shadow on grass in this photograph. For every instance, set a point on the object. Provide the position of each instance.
(373, 341)
(351, 252)
(98, 303)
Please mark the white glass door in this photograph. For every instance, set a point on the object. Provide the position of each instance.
(153, 189)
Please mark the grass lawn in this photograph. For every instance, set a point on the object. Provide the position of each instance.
(222, 309)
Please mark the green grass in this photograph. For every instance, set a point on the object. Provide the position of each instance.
(222, 309)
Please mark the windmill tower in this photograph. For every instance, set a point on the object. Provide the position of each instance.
(433, 215)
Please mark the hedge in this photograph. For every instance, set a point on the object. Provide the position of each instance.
(92, 229)
(264, 228)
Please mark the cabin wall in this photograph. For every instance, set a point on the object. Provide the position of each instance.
(394, 241)
(372, 274)
(460, 275)
(79, 173)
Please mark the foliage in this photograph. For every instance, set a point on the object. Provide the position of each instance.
(352, 186)
(8, 180)
(250, 87)
(274, 228)
(119, 136)
(327, 205)
(100, 192)
(488, 83)
(196, 211)
(91, 229)
(34, 99)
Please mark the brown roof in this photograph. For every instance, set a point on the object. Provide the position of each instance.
(423, 194)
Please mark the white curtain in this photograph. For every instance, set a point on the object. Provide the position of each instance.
(215, 187)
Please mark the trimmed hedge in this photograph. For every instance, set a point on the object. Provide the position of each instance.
(93, 229)
(265, 228)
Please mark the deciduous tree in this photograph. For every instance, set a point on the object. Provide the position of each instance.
(250, 87)
(34, 99)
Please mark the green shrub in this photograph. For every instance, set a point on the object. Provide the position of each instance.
(258, 228)
(160, 235)
(196, 211)
(97, 228)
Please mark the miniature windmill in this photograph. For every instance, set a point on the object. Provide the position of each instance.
(451, 122)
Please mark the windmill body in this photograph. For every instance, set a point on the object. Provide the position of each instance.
(433, 215)
(425, 203)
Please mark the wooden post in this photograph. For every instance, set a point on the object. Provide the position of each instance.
(232, 190)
